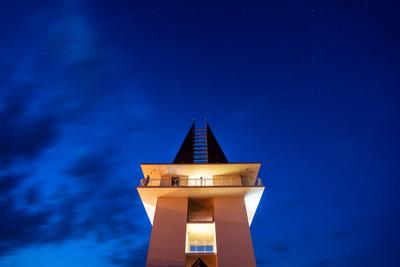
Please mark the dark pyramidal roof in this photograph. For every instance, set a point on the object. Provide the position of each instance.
(200, 146)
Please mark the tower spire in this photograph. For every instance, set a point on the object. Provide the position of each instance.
(200, 146)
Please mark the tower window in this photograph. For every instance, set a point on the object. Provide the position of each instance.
(200, 238)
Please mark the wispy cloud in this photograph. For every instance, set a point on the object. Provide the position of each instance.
(63, 88)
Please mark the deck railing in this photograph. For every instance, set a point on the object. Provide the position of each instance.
(198, 182)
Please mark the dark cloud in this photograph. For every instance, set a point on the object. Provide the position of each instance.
(128, 256)
(101, 207)
(23, 136)
(137, 258)
(98, 205)
(19, 227)
(91, 168)
(32, 195)
(9, 182)
(104, 205)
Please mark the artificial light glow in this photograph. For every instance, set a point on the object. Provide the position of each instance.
(200, 235)
(201, 228)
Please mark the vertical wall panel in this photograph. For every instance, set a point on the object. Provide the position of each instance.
(234, 245)
(168, 235)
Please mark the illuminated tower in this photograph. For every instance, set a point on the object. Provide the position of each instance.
(201, 206)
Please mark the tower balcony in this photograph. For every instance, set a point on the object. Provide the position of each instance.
(200, 181)
(176, 181)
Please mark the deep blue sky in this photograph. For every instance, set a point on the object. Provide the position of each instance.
(90, 89)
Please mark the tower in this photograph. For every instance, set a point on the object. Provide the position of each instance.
(201, 206)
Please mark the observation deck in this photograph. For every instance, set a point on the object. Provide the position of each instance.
(201, 180)
(176, 181)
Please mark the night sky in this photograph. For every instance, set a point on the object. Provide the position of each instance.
(90, 89)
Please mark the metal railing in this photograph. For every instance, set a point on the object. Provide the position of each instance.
(198, 182)
(200, 246)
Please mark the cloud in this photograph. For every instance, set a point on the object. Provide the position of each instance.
(23, 136)
(107, 214)
(19, 226)
(104, 207)
(60, 90)
(128, 256)
(9, 182)
(32, 196)
(100, 206)
(91, 168)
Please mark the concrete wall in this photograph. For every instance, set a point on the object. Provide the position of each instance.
(168, 235)
(234, 245)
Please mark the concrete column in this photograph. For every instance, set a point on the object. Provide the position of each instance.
(234, 245)
(168, 235)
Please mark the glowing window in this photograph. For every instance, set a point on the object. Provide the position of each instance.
(200, 238)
